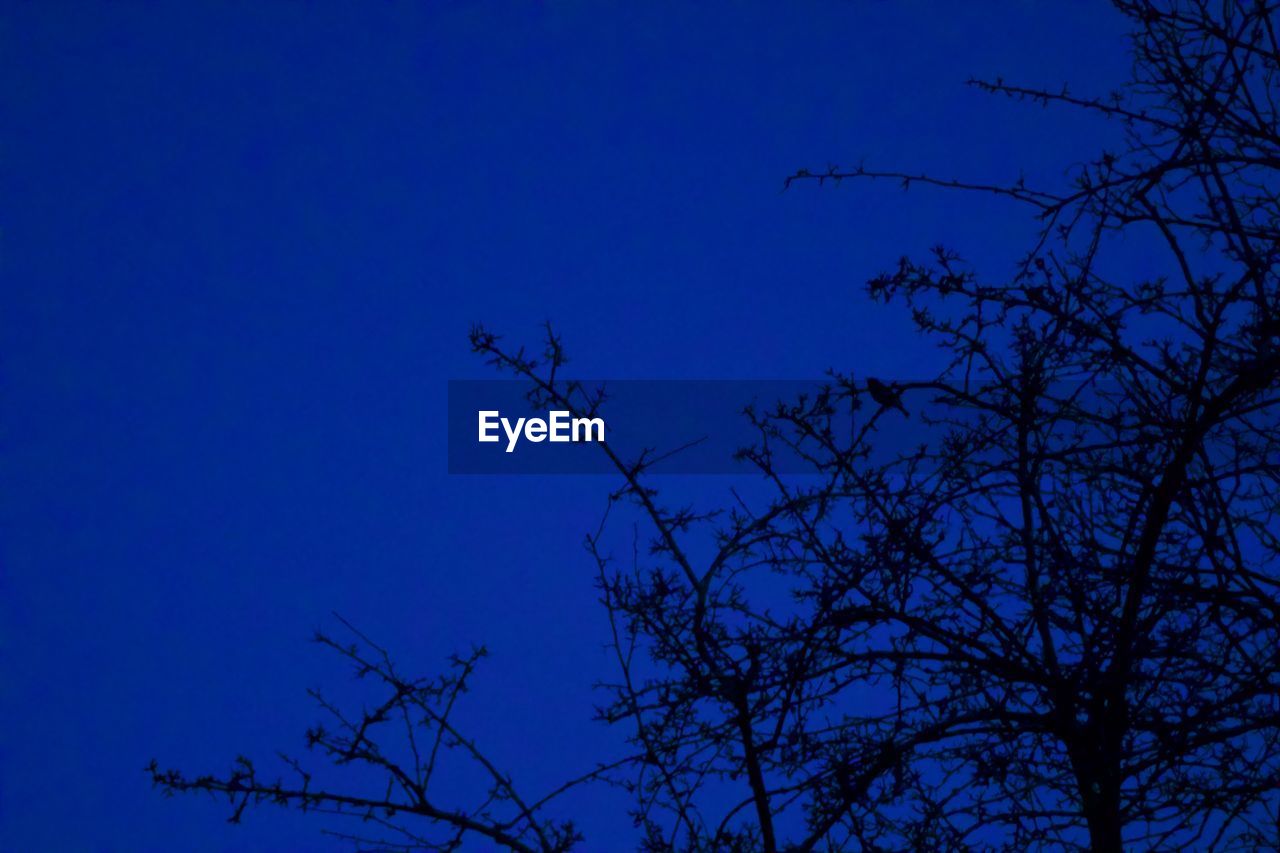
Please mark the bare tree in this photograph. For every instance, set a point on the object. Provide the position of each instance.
(1056, 624)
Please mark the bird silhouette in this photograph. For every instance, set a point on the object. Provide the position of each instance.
(887, 396)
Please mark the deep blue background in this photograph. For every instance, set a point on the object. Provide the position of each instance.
(242, 246)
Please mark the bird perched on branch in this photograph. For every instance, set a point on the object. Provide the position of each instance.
(887, 396)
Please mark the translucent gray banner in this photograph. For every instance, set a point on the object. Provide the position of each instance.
(684, 426)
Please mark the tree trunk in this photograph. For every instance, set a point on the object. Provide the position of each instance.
(1102, 812)
(1095, 756)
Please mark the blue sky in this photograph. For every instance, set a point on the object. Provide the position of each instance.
(242, 247)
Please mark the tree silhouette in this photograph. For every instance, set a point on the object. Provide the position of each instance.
(1056, 624)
